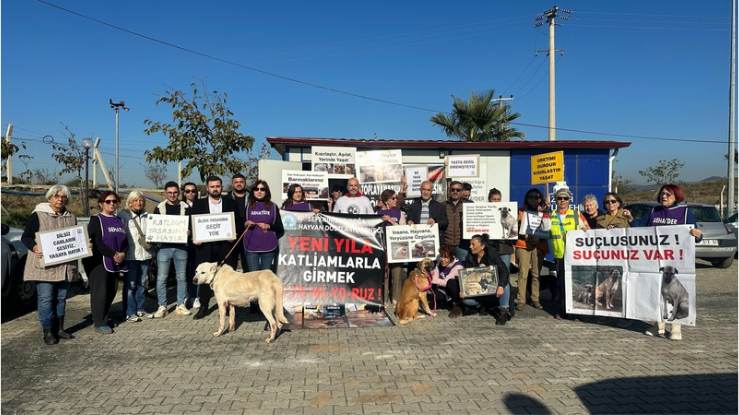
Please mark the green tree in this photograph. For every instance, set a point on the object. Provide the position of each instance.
(665, 173)
(8, 149)
(479, 119)
(203, 132)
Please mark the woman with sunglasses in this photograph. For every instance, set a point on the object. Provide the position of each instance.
(189, 193)
(530, 250)
(392, 216)
(53, 281)
(263, 224)
(615, 216)
(109, 248)
(296, 199)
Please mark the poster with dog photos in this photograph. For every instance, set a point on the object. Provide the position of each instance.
(337, 162)
(476, 282)
(314, 184)
(411, 243)
(636, 273)
(379, 166)
(499, 220)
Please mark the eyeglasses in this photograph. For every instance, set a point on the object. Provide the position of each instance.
(394, 198)
(563, 198)
(610, 201)
(110, 201)
(454, 189)
(60, 197)
(260, 189)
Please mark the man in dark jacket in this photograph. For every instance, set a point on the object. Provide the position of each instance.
(427, 210)
(214, 251)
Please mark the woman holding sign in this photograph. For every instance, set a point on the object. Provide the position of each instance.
(392, 216)
(530, 249)
(52, 282)
(483, 254)
(668, 213)
(109, 248)
(263, 224)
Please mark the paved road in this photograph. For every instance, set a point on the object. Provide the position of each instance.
(535, 364)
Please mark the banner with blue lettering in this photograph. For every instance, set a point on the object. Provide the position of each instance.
(636, 273)
(331, 259)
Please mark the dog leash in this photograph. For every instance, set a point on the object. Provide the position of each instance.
(232, 248)
(428, 287)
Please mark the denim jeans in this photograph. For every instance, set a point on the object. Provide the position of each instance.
(164, 259)
(133, 287)
(257, 261)
(52, 301)
(504, 299)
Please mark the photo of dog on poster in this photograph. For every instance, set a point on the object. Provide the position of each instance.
(598, 288)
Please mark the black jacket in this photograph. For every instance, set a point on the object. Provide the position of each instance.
(204, 251)
(437, 212)
(491, 257)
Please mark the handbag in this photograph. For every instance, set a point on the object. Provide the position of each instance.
(142, 238)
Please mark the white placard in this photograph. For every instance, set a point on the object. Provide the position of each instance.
(213, 227)
(499, 220)
(314, 183)
(337, 162)
(171, 229)
(531, 224)
(463, 166)
(63, 245)
(379, 166)
(411, 243)
(414, 176)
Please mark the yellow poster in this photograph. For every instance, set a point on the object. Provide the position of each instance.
(547, 168)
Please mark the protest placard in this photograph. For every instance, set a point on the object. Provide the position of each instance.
(314, 184)
(170, 229)
(414, 176)
(379, 166)
(213, 227)
(411, 243)
(531, 224)
(476, 282)
(547, 168)
(463, 166)
(337, 162)
(63, 245)
(499, 220)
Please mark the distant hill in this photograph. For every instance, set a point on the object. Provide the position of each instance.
(705, 191)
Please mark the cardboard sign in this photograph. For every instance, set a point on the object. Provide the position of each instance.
(171, 229)
(463, 166)
(213, 227)
(63, 245)
(548, 168)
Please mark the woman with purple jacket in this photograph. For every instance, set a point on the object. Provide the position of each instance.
(296, 199)
(392, 215)
(263, 225)
(109, 248)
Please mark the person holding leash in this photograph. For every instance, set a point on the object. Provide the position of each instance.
(263, 228)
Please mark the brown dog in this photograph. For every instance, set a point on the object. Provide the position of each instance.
(607, 289)
(232, 288)
(414, 290)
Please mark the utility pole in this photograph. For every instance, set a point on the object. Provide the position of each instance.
(550, 15)
(116, 106)
(732, 110)
(500, 100)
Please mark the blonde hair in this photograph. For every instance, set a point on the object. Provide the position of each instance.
(133, 196)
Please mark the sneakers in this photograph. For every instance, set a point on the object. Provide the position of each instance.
(182, 310)
(196, 303)
(141, 313)
(161, 312)
(103, 330)
(502, 317)
(133, 318)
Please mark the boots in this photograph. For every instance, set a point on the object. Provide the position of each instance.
(59, 329)
(49, 337)
(456, 311)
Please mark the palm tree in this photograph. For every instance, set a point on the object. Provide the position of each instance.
(480, 119)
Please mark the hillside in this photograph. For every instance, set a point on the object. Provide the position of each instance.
(705, 191)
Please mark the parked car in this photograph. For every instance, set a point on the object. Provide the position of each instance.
(719, 244)
(18, 295)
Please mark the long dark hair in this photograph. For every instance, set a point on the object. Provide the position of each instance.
(267, 194)
(291, 192)
(538, 192)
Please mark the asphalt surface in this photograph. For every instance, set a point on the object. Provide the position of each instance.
(534, 364)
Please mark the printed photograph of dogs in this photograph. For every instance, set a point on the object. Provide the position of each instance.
(232, 288)
(508, 222)
(413, 293)
(607, 289)
(399, 250)
(586, 295)
(674, 294)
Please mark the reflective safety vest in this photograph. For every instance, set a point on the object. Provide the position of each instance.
(570, 222)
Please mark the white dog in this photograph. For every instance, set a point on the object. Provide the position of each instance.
(232, 288)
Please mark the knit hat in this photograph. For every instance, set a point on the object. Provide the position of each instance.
(562, 192)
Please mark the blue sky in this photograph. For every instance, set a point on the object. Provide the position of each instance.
(631, 70)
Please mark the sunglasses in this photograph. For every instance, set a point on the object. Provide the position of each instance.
(110, 201)
(534, 197)
(394, 198)
(260, 189)
(563, 198)
(189, 191)
(454, 189)
(610, 202)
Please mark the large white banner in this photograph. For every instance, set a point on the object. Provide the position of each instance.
(637, 273)
(499, 220)
(412, 243)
